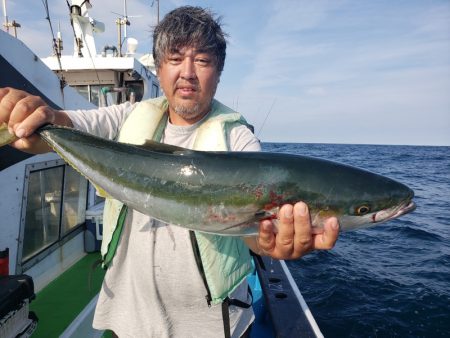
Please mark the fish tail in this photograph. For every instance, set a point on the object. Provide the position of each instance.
(5, 136)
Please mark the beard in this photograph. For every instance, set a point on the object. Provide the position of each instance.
(195, 107)
(189, 112)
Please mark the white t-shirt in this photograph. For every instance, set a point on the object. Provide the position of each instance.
(153, 287)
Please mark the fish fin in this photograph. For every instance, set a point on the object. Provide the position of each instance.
(261, 215)
(271, 214)
(100, 192)
(163, 148)
(5, 136)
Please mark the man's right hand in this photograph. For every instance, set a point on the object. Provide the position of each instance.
(24, 113)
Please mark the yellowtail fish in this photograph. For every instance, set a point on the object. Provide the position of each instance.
(228, 193)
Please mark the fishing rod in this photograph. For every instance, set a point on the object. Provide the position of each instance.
(267, 116)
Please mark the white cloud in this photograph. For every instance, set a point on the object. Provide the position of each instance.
(338, 74)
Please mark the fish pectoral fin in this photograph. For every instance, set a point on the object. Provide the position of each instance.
(100, 192)
(162, 147)
(271, 215)
(261, 215)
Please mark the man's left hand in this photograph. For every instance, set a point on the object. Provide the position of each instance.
(295, 236)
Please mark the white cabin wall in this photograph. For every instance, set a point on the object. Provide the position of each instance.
(57, 262)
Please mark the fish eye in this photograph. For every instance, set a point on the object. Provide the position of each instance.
(362, 210)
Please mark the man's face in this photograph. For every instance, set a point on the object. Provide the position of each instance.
(189, 80)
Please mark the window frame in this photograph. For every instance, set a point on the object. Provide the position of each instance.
(22, 266)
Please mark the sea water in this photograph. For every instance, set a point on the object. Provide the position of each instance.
(391, 280)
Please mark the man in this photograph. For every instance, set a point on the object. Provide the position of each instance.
(162, 280)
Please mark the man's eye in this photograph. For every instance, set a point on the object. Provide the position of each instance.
(202, 61)
(174, 60)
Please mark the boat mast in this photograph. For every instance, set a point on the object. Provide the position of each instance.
(126, 19)
(8, 24)
(157, 10)
(122, 21)
(84, 29)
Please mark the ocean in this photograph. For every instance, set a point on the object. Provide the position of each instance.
(393, 279)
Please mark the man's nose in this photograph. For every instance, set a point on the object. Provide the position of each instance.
(188, 69)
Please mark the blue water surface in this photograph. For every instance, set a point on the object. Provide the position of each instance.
(391, 280)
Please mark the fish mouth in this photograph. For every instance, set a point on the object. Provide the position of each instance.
(388, 214)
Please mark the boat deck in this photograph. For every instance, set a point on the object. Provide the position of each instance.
(56, 313)
(280, 310)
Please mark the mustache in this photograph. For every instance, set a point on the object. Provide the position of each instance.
(183, 84)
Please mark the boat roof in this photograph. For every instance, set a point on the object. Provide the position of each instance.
(71, 63)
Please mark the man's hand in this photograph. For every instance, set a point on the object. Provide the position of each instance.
(295, 237)
(24, 113)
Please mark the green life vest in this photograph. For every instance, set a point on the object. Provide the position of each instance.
(226, 261)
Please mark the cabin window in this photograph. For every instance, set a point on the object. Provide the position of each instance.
(137, 88)
(55, 205)
(74, 200)
(106, 95)
(83, 91)
(91, 93)
(95, 93)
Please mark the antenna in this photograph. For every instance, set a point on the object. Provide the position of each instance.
(59, 41)
(6, 16)
(126, 19)
(157, 10)
(123, 21)
(8, 24)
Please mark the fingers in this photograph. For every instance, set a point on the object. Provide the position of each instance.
(303, 230)
(8, 99)
(23, 112)
(294, 231)
(285, 237)
(28, 114)
(328, 238)
(32, 144)
(295, 236)
(41, 115)
(266, 238)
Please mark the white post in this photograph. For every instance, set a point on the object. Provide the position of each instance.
(6, 23)
(126, 19)
(84, 29)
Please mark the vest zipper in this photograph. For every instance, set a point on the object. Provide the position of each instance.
(198, 260)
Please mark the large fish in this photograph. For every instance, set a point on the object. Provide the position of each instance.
(227, 193)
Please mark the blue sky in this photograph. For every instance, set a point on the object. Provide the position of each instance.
(337, 71)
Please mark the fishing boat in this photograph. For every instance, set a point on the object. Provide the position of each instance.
(51, 216)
